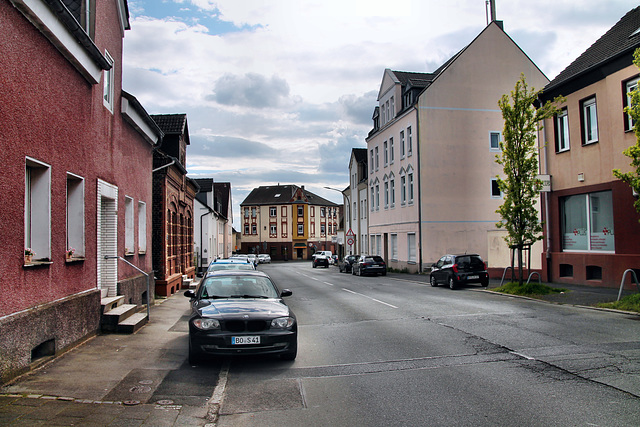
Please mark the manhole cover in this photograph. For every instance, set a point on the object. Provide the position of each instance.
(146, 382)
(131, 402)
(140, 389)
(165, 402)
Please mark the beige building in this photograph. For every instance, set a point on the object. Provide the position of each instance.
(432, 151)
(355, 198)
(592, 230)
(288, 222)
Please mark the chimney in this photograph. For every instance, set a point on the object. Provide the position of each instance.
(490, 9)
(493, 10)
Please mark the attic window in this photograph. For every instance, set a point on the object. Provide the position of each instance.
(635, 33)
(277, 195)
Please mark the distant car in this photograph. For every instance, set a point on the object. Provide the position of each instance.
(320, 260)
(345, 264)
(229, 264)
(455, 270)
(242, 257)
(264, 259)
(240, 313)
(369, 264)
(253, 258)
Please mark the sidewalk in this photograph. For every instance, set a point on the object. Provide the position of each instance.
(118, 380)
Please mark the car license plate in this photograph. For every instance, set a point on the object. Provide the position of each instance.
(245, 340)
(473, 277)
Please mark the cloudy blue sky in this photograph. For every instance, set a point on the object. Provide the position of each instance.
(279, 91)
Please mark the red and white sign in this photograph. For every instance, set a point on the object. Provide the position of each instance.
(350, 241)
(350, 233)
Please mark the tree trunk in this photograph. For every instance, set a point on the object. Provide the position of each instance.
(520, 277)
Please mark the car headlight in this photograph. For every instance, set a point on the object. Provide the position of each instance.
(206, 324)
(283, 322)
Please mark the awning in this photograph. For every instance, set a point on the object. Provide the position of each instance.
(299, 245)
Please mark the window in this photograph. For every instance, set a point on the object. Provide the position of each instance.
(323, 229)
(587, 222)
(562, 131)
(392, 191)
(495, 188)
(393, 109)
(355, 212)
(377, 158)
(391, 155)
(273, 230)
(37, 208)
(323, 212)
(246, 229)
(142, 227)
(283, 211)
(284, 229)
(629, 86)
(128, 225)
(246, 212)
(410, 186)
(253, 212)
(75, 214)
(402, 153)
(495, 138)
(377, 197)
(371, 164)
(300, 229)
(273, 211)
(411, 247)
(373, 199)
(254, 229)
(394, 246)
(409, 142)
(386, 194)
(403, 190)
(388, 112)
(386, 153)
(589, 119)
(108, 83)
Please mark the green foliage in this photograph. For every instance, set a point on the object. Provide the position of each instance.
(628, 303)
(528, 289)
(519, 160)
(633, 178)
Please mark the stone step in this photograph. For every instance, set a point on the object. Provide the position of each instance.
(110, 319)
(109, 303)
(132, 323)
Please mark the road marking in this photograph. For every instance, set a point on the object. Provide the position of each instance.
(327, 283)
(372, 299)
(522, 355)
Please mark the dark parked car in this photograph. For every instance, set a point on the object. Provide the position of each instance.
(320, 260)
(344, 265)
(455, 270)
(240, 312)
(369, 264)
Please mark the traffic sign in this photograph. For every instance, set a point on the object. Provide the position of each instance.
(350, 241)
(350, 233)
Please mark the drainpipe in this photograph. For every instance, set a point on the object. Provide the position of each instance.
(546, 199)
(419, 188)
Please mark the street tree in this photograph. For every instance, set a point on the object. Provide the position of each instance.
(519, 159)
(633, 110)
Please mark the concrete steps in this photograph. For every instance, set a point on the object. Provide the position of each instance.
(119, 317)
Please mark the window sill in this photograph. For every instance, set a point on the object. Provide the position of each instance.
(36, 263)
(74, 259)
(129, 254)
(142, 252)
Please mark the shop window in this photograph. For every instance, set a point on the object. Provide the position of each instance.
(587, 222)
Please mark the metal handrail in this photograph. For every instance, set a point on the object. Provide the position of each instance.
(531, 275)
(148, 281)
(624, 276)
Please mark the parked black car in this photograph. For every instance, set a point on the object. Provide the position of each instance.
(455, 270)
(344, 265)
(239, 312)
(369, 264)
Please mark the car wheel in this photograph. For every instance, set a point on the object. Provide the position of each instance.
(195, 358)
(433, 281)
(484, 283)
(384, 273)
(313, 265)
(452, 283)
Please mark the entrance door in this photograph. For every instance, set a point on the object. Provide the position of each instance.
(107, 238)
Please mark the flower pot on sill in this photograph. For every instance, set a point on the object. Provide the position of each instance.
(28, 259)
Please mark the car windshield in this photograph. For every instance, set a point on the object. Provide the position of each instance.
(373, 259)
(237, 287)
(472, 261)
(230, 266)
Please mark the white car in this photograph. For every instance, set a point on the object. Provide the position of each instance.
(264, 258)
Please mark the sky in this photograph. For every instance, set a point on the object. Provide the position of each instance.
(280, 91)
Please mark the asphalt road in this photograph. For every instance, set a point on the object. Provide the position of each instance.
(377, 351)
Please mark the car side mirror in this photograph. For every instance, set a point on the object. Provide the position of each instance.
(286, 293)
(189, 294)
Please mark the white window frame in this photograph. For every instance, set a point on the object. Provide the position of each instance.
(393, 242)
(37, 212)
(377, 157)
(142, 227)
(411, 247)
(129, 241)
(385, 149)
(391, 154)
(630, 86)
(589, 121)
(386, 193)
(403, 189)
(494, 184)
(75, 215)
(409, 142)
(108, 91)
(410, 194)
(562, 131)
(498, 137)
(392, 191)
(402, 146)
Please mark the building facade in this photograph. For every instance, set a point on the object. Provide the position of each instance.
(288, 222)
(173, 204)
(77, 156)
(592, 229)
(213, 228)
(356, 203)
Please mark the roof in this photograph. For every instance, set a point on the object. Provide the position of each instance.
(206, 184)
(621, 40)
(360, 154)
(412, 79)
(283, 194)
(172, 124)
